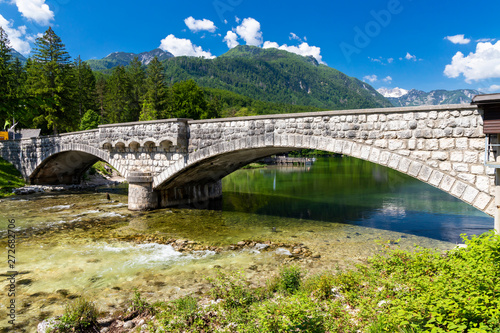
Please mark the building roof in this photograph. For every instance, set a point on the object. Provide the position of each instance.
(486, 99)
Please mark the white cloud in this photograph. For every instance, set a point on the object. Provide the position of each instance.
(237, 19)
(182, 46)
(408, 56)
(484, 40)
(231, 39)
(270, 45)
(294, 36)
(36, 10)
(16, 36)
(494, 88)
(458, 39)
(303, 49)
(390, 60)
(483, 64)
(371, 78)
(387, 79)
(199, 25)
(249, 31)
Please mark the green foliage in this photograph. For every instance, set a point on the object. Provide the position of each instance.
(139, 305)
(288, 281)
(51, 84)
(455, 293)
(90, 120)
(10, 178)
(187, 100)
(85, 84)
(156, 92)
(79, 316)
(118, 102)
(297, 313)
(398, 291)
(232, 289)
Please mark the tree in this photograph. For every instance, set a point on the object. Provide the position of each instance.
(51, 83)
(137, 77)
(90, 120)
(6, 77)
(20, 99)
(187, 100)
(155, 98)
(118, 101)
(85, 86)
(148, 112)
(100, 90)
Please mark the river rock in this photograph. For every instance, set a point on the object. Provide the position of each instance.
(129, 324)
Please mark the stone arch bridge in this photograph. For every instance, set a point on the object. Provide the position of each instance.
(181, 161)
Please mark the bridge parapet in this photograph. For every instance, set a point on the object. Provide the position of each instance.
(166, 134)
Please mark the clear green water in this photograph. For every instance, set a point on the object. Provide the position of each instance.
(81, 244)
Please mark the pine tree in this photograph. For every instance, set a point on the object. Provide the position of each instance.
(85, 87)
(6, 77)
(118, 101)
(51, 82)
(155, 98)
(100, 89)
(148, 112)
(90, 120)
(137, 76)
(19, 98)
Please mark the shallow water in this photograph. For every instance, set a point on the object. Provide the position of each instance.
(72, 244)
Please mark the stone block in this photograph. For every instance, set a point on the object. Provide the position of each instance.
(414, 168)
(404, 165)
(435, 177)
(482, 200)
(394, 161)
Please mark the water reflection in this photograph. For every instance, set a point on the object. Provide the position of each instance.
(353, 191)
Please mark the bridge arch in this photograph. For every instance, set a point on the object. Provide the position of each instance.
(212, 163)
(66, 164)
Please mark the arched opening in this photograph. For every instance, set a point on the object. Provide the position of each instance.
(63, 168)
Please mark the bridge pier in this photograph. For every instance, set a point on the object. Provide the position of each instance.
(193, 194)
(140, 191)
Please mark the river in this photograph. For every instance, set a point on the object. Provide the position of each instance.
(339, 209)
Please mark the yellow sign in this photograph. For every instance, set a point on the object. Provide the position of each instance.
(4, 135)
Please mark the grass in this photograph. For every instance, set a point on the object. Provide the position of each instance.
(10, 178)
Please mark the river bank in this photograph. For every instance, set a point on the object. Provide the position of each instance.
(396, 291)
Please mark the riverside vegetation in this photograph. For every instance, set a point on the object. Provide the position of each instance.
(395, 291)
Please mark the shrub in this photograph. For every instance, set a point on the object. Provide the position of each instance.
(140, 305)
(232, 289)
(79, 316)
(289, 280)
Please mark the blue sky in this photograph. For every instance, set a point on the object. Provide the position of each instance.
(418, 44)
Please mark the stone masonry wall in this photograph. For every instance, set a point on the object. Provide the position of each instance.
(441, 145)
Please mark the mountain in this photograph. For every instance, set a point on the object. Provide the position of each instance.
(277, 76)
(394, 92)
(18, 55)
(123, 59)
(435, 97)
